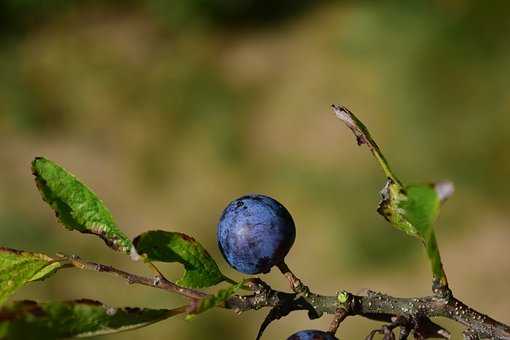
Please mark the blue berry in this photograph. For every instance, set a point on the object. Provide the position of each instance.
(255, 233)
(312, 335)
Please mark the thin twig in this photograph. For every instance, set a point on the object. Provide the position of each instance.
(158, 281)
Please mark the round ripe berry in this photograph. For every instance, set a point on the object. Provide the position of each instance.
(312, 335)
(255, 233)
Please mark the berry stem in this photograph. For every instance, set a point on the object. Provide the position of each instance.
(295, 283)
(340, 316)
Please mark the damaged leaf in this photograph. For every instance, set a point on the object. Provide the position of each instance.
(76, 206)
(200, 268)
(81, 318)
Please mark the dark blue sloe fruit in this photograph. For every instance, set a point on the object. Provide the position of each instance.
(312, 335)
(255, 233)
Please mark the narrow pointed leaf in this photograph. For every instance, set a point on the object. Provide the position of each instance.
(20, 267)
(412, 209)
(82, 318)
(362, 135)
(217, 299)
(76, 206)
(200, 268)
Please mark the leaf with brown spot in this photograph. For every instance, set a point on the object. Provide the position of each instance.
(76, 206)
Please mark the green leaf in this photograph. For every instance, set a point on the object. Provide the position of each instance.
(200, 268)
(215, 300)
(412, 209)
(76, 206)
(420, 208)
(81, 318)
(20, 267)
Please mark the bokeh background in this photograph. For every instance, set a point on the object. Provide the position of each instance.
(169, 110)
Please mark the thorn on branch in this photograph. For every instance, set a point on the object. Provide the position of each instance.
(276, 313)
(426, 329)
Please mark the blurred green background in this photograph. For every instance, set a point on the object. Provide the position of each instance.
(169, 110)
